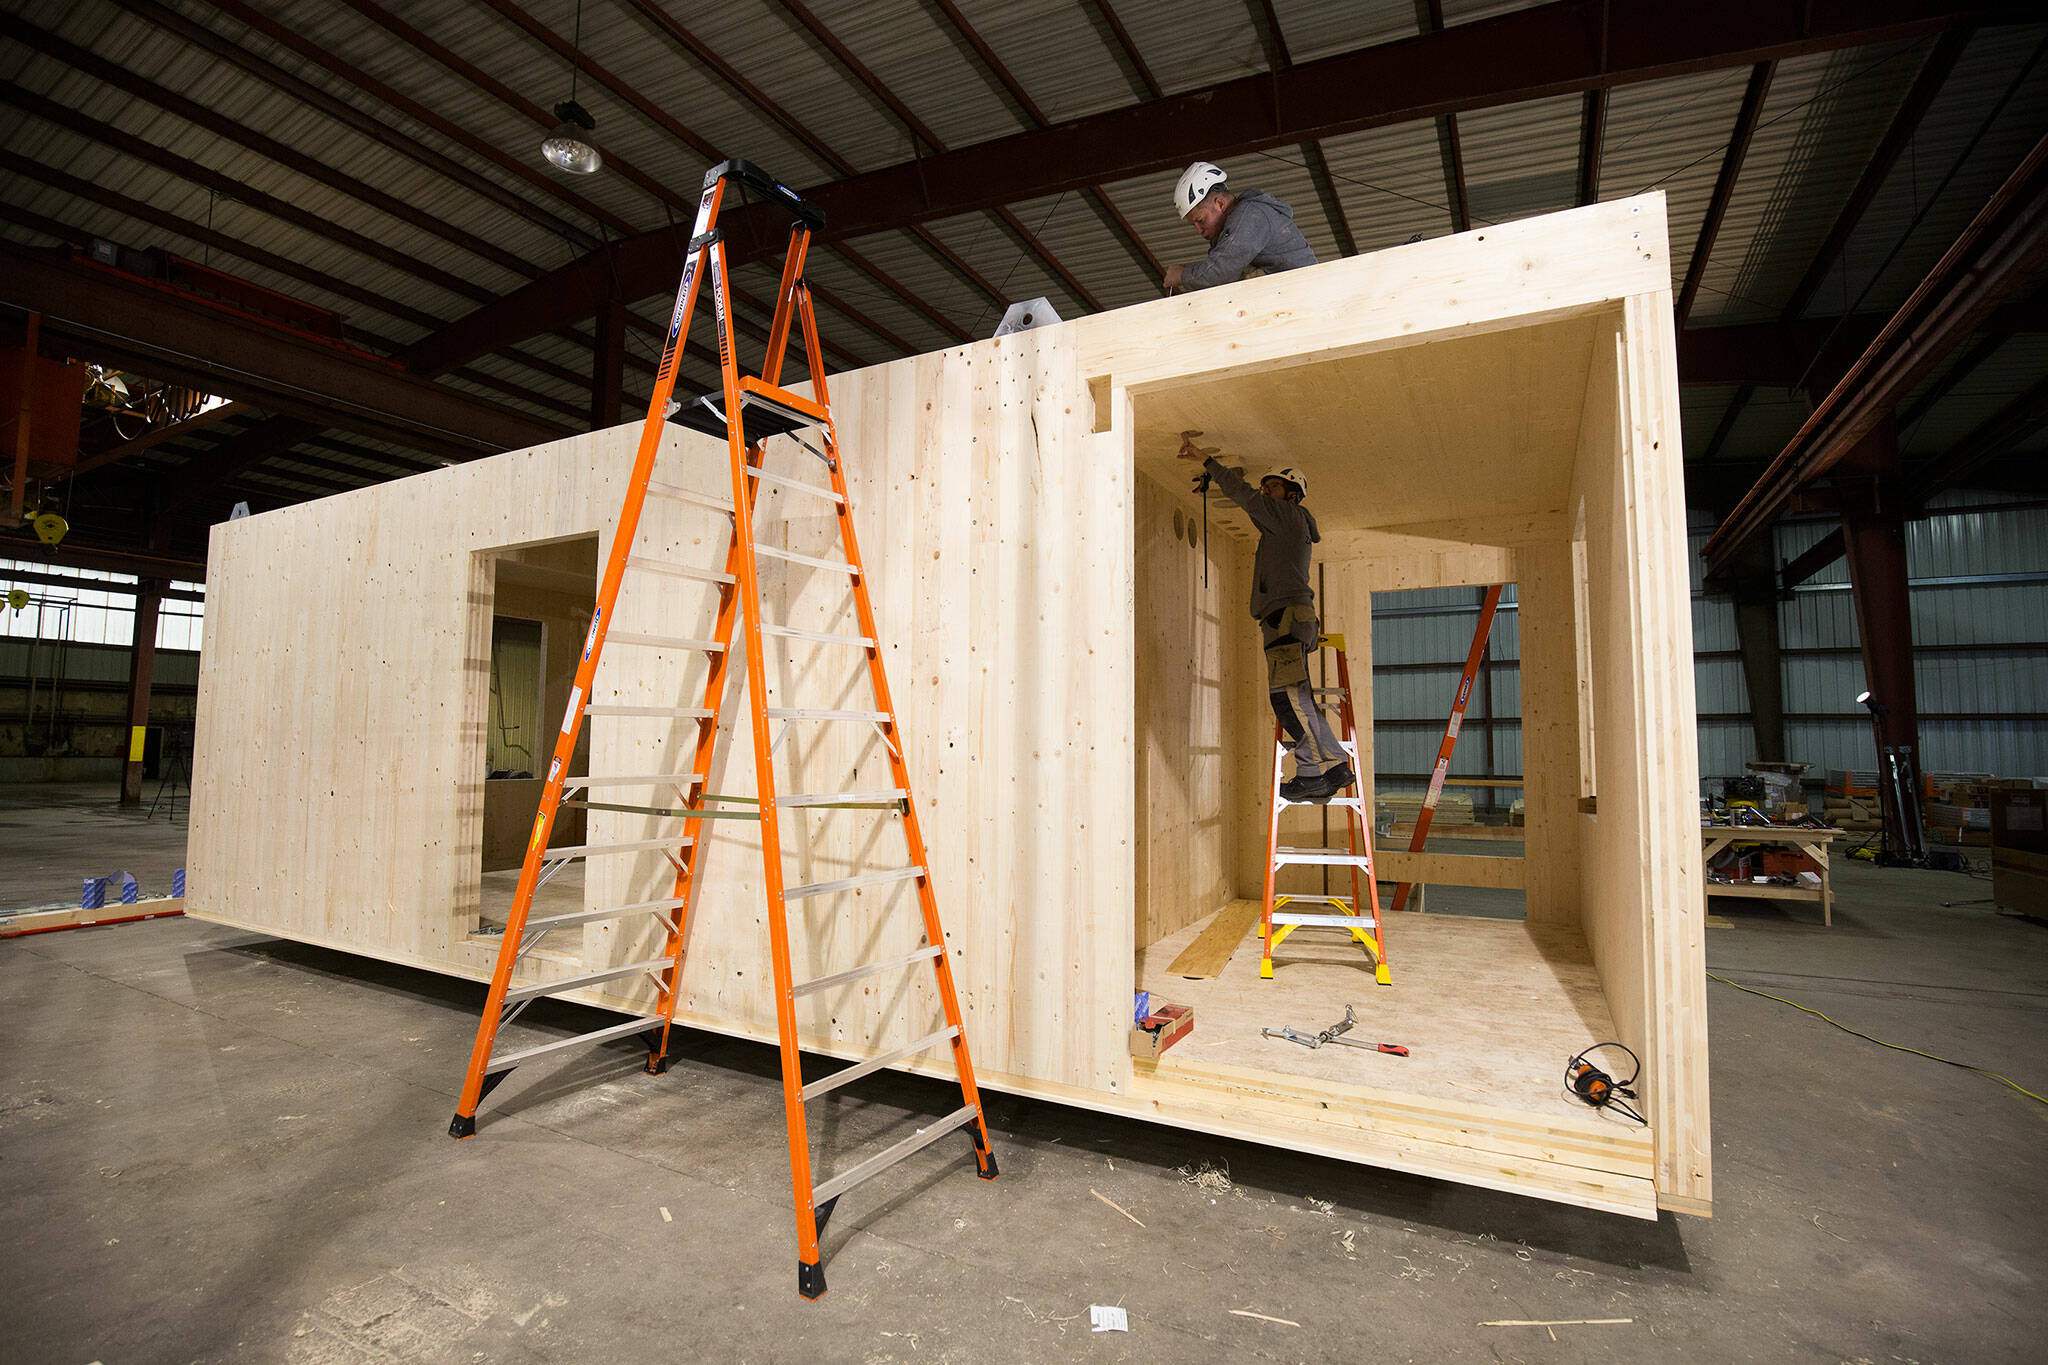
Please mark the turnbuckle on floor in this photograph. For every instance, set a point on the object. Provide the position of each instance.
(747, 412)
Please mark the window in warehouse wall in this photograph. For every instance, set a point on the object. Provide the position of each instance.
(100, 613)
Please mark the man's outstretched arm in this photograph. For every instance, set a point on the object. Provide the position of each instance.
(1261, 509)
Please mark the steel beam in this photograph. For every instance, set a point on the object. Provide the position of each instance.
(1898, 135)
(1565, 47)
(2000, 254)
(106, 316)
(141, 673)
(1592, 139)
(1873, 532)
(1724, 188)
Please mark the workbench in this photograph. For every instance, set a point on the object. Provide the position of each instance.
(1810, 841)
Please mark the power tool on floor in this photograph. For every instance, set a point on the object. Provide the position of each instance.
(1599, 1089)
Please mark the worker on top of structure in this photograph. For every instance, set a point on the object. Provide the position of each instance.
(1245, 229)
(1284, 605)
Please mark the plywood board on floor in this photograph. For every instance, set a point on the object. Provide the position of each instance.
(1489, 1010)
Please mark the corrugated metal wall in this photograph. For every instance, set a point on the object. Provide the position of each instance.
(1979, 570)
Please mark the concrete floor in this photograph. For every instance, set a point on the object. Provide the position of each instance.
(218, 1146)
(53, 835)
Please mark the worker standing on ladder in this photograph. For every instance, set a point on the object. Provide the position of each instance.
(1284, 605)
(1248, 229)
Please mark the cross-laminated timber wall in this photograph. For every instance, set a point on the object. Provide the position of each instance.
(1520, 422)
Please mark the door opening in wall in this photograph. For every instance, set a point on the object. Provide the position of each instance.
(529, 626)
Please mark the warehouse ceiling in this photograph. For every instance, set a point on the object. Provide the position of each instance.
(426, 288)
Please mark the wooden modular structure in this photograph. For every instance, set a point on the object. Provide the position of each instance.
(1086, 718)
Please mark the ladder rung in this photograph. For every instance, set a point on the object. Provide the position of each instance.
(882, 1161)
(801, 713)
(819, 983)
(842, 798)
(899, 874)
(512, 1059)
(1325, 857)
(605, 709)
(796, 485)
(679, 494)
(1356, 803)
(608, 912)
(1316, 900)
(677, 570)
(811, 560)
(1331, 691)
(665, 642)
(563, 855)
(1327, 921)
(570, 983)
(635, 780)
(819, 636)
(873, 1064)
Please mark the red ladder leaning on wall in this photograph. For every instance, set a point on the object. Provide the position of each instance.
(1368, 927)
(747, 414)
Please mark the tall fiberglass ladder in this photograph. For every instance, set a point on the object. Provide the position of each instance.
(746, 414)
(1358, 914)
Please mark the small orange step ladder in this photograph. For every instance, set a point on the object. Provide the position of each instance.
(1350, 913)
(746, 414)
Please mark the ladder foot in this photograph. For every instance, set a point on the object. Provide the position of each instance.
(1382, 975)
(464, 1125)
(810, 1279)
(1266, 970)
(657, 1064)
(985, 1162)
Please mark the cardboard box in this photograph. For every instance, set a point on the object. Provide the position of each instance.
(1172, 1022)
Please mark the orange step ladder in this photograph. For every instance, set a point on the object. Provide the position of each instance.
(747, 413)
(1348, 913)
(1489, 604)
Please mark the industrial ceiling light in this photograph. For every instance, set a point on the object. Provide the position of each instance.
(570, 146)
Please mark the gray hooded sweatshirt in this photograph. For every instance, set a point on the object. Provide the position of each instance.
(1259, 230)
(1286, 531)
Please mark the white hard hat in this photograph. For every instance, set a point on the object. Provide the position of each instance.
(1291, 475)
(1195, 182)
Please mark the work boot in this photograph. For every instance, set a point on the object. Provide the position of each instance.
(1320, 788)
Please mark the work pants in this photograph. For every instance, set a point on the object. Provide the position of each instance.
(1289, 635)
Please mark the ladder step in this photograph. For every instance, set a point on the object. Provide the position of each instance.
(665, 642)
(677, 570)
(819, 636)
(1318, 900)
(512, 1059)
(1327, 921)
(842, 798)
(570, 983)
(1356, 803)
(678, 494)
(635, 780)
(812, 561)
(802, 713)
(1320, 857)
(873, 1064)
(819, 983)
(563, 855)
(608, 912)
(605, 709)
(899, 874)
(882, 1161)
(796, 485)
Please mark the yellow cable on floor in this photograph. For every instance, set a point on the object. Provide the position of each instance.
(1896, 1047)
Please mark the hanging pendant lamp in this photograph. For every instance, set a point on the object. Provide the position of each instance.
(570, 146)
